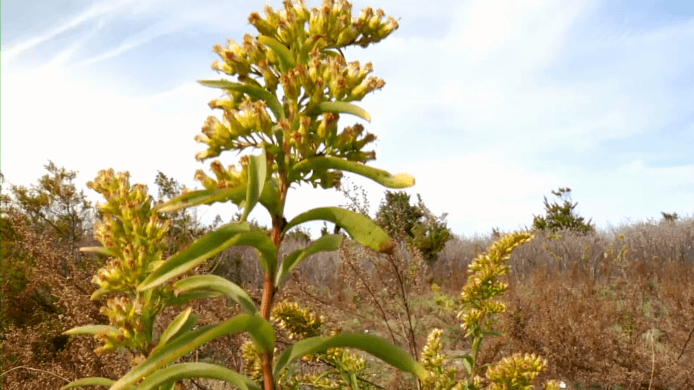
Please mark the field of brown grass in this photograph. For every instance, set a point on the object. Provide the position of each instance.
(610, 310)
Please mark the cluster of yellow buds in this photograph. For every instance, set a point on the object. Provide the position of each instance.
(345, 360)
(251, 361)
(483, 283)
(433, 361)
(130, 229)
(126, 315)
(133, 234)
(228, 177)
(516, 372)
(300, 50)
(333, 21)
(299, 323)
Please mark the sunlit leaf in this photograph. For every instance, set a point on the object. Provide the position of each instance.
(257, 173)
(199, 251)
(218, 284)
(99, 250)
(400, 180)
(92, 381)
(283, 53)
(376, 346)
(184, 322)
(256, 92)
(326, 243)
(360, 227)
(260, 330)
(343, 108)
(92, 329)
(181, 371)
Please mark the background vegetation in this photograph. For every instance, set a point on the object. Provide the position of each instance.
(608, 310)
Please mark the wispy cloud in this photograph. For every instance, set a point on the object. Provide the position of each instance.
(88, 15)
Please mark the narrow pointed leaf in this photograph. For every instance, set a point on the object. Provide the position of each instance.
(359, 226)
(376, 346)
(92, 329)
(261, 331)
(268, 198)
(99, 250)
(327, 243)
(195, 198)
(255, 92)
(400, 180)
(344, 108)
(190, 296)
(264, 245)
(181, 371)
(184, 322)
(92, 381)
(257, 173)
(199, 251)
(283, 53)
(218, 284)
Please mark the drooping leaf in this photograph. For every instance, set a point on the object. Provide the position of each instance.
(265, 247)
(261, 331)
(268, 198)
(92, 329)
(195, 198)
(199, 251)
(400, 180)
(91, 381)
(98, 249)
(190, 296)
(257, 173)
(255, 92)
(283, 53)
(181, 371)
(326, 243)
(219, 284)
(343, 108)
(359, 226)
(184, 322)
(376, 346)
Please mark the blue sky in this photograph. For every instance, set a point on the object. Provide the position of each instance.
(489, 104)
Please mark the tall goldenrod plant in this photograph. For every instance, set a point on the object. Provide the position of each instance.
(292, 83)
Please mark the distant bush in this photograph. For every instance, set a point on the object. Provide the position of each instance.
(414, 223)
(562, 216)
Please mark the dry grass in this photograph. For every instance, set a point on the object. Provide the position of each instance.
(608, 309)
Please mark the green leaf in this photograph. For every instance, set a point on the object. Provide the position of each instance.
(92, 329)
(255, 92)
(264, 245)
(99, 250)
(261, 331)
(181, 371)
(182, 323)
(308, 46)
(195, 198)
(343, 107)
(400, 180)
(187, 297)
(257, 173)
(283, 53)
(219, 284)
(268, 198)
(326, 243)
(376, 346)
(359, 226)
(199, 251)
(92, 381)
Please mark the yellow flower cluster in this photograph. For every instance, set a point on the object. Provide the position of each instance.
(225, 177)
(130, 229)
(516, 372)
(299, 323)
(126, 315)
